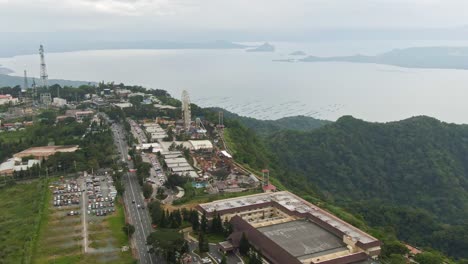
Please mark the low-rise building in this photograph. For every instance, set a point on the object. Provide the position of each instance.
(44, 152)
(7, 98)
(81, 115)
(201, 145)
(59, 102)
(123, 105)
(16, 164)
(164, 107)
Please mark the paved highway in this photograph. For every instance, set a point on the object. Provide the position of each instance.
(134, 202)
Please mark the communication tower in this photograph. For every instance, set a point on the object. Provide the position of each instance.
(220, 119)
(44, 76)
(34, 90)
(266, 177)
(186, 115)
(25, 85)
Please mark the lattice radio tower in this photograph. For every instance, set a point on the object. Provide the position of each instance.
(44, 76)
(186, 114)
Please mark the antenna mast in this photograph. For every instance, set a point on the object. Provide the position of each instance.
(44, 75)
(186, 115)
(25, 85)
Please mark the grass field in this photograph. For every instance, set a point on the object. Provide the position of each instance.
(20, 218)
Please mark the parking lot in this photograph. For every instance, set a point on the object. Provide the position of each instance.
(99, 205)
(63, 231)
(83, 218)
(100, 195)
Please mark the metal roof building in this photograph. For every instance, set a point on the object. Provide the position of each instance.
(287, 228)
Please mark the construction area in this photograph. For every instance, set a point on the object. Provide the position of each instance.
(288, 229)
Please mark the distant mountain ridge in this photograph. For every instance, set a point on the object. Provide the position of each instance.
(97, 45)
(265, 47)
(416, 57)
(267, 127)
(8, 80)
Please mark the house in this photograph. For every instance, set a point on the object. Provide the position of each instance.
(7, 98)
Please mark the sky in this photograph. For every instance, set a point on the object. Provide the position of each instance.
(188, 16)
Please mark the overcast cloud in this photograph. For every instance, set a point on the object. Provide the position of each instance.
(252, 15)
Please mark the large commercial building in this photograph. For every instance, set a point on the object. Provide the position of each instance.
(44, 152)
(288, 229)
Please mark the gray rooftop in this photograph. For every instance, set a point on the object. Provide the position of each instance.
(292, 203)
(303, 239)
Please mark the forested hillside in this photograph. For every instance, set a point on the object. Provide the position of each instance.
(408, 177)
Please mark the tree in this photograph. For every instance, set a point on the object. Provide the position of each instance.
(393, 247)
(395, 259)
(429, 258)
(244, 245)
(255, 257)
(128, 229)
(168, 243)
(156, 212)
(194, 220)
(216, 224)
(224, 259)
(203, 245)
(163, 222)
(147, 190)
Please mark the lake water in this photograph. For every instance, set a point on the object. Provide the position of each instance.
(252, 84)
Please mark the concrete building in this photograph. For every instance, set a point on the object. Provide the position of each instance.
(15, 164)
(7, 98)
(123, 105)
(122, 92)
(136, 94)
(59, 102)
(156, 147)
(81, 115)
(164, 107)
(40, 153)
(288, 229)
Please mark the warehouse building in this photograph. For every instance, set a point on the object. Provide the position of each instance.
(44, 152)
(288, 229)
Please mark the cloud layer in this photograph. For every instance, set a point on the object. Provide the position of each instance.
(259, 15)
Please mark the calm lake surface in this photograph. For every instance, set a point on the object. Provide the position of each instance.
(251, 84)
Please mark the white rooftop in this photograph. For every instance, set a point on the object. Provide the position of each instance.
(201, 144)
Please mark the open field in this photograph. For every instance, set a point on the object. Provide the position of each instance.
(20, 218)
